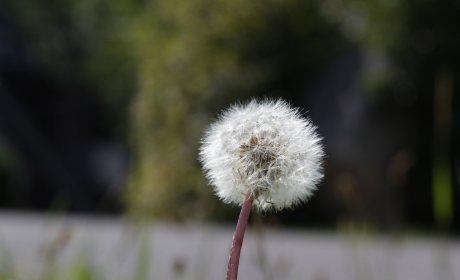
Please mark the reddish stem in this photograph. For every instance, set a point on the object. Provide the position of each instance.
(232, 270)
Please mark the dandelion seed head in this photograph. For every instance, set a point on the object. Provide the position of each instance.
(265, 147)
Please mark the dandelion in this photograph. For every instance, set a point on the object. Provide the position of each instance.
(262, 155)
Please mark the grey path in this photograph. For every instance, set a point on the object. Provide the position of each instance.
(32, 244)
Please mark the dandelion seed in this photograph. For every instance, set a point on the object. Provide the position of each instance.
(265, 146)
(262, 154)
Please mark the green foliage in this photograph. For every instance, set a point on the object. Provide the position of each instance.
(174, 64)
(196, 57)
(144, 257)
(82, 270)
(162, 69)
(82, 43)
(7, 270)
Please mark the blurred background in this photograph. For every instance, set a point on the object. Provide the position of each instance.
(103, 103)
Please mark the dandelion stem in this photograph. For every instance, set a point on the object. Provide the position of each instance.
(232, 270)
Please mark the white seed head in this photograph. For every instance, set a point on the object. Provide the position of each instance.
(265, 147)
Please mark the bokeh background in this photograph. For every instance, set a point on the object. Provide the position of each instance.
(103, 103)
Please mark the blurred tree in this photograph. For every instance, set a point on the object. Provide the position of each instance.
(195, 58)
(66, 79)
(184, 60)
(419, 41)
(161, 69)
(85, 43)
